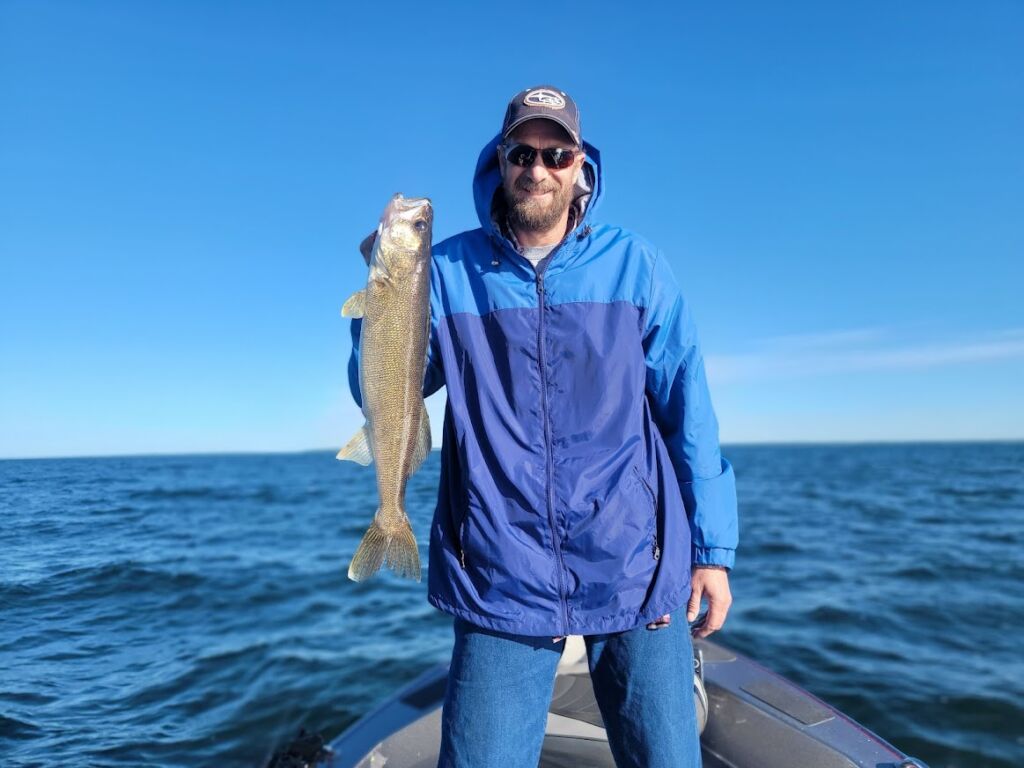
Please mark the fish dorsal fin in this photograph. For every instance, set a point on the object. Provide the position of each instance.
(358, 448)
(355, 305)
(423, 442)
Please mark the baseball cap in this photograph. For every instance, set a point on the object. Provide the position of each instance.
(543, 101)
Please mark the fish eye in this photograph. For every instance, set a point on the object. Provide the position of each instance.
(420, 225)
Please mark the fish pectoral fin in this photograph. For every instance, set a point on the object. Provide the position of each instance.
(355, 304)
(423, 442)
(358, 449)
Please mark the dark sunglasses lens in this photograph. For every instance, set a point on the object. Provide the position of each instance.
(556, 157)
(521, 155)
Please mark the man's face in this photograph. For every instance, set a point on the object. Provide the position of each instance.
(538, 196)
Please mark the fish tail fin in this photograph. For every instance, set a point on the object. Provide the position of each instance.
(403, 555)
(393, 545)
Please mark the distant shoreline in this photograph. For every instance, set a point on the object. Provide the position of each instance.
(725, 448)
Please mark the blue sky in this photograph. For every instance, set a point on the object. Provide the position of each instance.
(839, 187)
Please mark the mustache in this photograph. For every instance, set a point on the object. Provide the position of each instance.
(528, 186)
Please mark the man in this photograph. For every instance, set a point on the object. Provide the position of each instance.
(582, 488)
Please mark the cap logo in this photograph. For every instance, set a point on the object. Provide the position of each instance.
(544, 97)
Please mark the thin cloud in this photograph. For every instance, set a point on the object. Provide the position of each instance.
(827, 340)
(803, 355)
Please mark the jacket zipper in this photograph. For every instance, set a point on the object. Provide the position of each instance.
(555, 535)
(462, 546)
(656, 550)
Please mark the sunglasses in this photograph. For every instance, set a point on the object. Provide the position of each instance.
(523, 155)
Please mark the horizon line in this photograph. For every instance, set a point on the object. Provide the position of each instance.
(724, 445)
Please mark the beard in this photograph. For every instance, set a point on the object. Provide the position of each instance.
(533, 214)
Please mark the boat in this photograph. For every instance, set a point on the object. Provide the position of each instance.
(748, 715)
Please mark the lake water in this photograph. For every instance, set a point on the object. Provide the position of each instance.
(195, 610)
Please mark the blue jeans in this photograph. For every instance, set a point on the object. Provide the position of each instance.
(500, 686)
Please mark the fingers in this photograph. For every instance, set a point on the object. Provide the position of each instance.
(366, 247)
(693, 607)
(664, 621)
(714, 619)
(711, 622)
(711, 585)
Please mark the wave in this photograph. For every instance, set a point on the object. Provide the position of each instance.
(268, 494)
(102, 580)
(17, 730)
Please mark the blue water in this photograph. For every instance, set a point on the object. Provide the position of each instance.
(195, 610)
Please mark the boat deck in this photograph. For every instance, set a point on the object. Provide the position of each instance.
(754, 718)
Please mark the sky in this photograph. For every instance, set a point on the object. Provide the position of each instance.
(183, 187)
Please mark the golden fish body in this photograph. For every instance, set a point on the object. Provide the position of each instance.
(395, 332)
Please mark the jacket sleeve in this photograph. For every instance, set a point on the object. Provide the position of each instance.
(677, 391)
(433, 378)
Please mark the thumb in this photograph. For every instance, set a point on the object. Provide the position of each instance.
(366, 246)
(693, 606)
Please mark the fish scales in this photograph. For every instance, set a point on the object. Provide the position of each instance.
(395, 332)
(393, 345)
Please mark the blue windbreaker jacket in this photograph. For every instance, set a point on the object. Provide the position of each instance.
(581, 475)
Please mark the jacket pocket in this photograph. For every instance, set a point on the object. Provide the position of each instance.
(652, 507)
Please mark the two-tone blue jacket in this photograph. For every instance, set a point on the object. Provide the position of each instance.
(581, 476)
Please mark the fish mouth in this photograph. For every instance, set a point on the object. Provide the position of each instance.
(408, 207)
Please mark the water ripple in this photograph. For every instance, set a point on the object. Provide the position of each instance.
(179, 611)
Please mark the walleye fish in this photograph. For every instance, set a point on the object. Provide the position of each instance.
(395, 308)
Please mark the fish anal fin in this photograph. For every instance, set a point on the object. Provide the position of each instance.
(358, 449)
(423, 442)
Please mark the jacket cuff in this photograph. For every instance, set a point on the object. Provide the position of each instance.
(714, 556)
(711, 508)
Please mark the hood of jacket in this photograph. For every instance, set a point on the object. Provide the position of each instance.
(489, 200)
